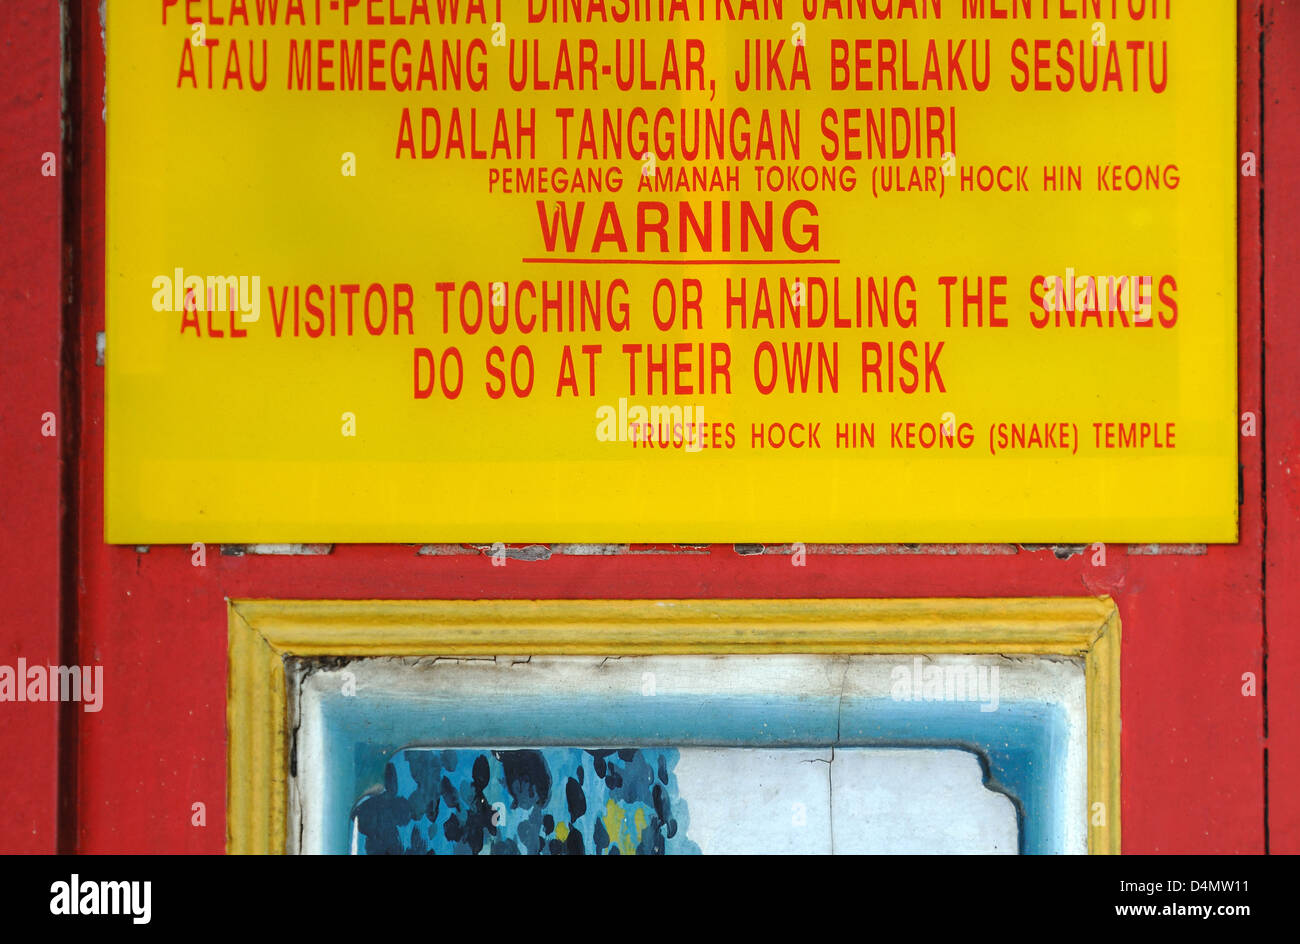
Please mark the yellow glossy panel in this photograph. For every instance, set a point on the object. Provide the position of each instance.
(246, 439)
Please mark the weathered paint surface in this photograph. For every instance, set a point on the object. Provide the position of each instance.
(1192, 745)
(1020, 723)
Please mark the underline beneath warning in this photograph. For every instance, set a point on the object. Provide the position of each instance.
(565, 260)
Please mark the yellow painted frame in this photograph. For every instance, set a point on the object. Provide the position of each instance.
(264, 632)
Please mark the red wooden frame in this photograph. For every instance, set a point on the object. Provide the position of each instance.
(1201, 773)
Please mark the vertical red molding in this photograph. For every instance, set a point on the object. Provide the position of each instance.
(1249, 656)
(1280, 166)
(31, 208)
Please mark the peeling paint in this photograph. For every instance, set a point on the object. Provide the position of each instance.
(562, 550)
(444, 550)
(277, 550)
(590, 550)
(679, 549)
(542, 552)
(530, 552)
(535, 552)
(1062, 551)
(1155, 550)
(856, 550)
(836, 682)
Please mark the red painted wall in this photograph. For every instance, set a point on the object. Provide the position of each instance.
(1193, 747)
(1281, 287)
(31, 315)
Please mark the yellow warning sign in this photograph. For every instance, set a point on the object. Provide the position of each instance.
(644, 270)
